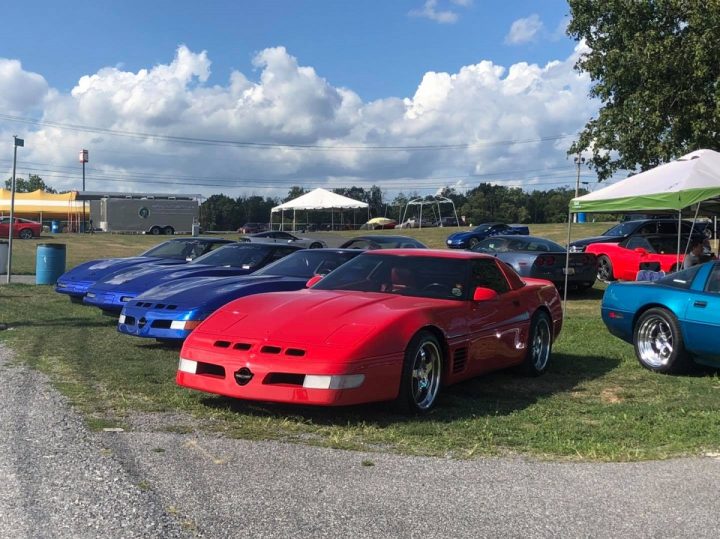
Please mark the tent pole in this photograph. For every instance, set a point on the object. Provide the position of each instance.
(677, 257)
(567, 262)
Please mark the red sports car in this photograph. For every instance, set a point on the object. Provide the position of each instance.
(22, 228)
(623, 260)
(395, 324)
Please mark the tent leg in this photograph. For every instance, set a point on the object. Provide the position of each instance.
(567, 263)
(677, 257)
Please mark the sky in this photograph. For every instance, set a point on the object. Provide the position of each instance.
(253, 97)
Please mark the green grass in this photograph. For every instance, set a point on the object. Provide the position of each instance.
(594, 403)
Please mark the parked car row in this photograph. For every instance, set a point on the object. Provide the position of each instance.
(370, 322)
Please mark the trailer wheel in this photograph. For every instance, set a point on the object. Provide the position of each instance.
(168, 231)
(155, 231)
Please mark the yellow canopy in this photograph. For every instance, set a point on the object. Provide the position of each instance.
(42, 205)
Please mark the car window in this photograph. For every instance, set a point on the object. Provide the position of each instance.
(664, 227)
(638, 243)
(486, 273)
(648, 228)
(680, 279)
(713, 282)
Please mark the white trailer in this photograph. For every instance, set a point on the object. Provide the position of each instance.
(147, 215)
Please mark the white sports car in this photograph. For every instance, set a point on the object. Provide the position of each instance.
(278, 236)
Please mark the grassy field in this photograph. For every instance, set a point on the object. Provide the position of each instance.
(595, 402)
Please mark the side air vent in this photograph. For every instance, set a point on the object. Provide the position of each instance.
(222, 344)
(270, 350)
(459, 360)
(242, 346)
(295, 352)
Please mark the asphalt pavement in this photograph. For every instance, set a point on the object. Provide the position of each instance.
(60, 480)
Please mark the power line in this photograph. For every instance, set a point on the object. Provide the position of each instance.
(270, 145)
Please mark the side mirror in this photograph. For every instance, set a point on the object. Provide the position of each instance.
(484, 294)
(313, 280)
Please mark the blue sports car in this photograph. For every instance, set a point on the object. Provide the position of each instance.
(111, 294)
(470, 238)
(670, 321)
(172, 311)
(75, 283)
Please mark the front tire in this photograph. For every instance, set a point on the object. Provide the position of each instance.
(316, 245)
(658, 341)
(155, 231)
(472, 242)
(539, 345)
(421, 374)
(605, 269)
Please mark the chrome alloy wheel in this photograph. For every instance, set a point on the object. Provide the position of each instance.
(426, 373)
(540, 345)
(655, 341)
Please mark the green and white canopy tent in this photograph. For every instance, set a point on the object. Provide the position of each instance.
(690, 185)
(672, 187)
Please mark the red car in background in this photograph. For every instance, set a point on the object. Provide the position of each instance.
(22, 228)
(390, 324)
(652, 252)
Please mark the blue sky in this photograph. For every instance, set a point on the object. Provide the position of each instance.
(495, 78)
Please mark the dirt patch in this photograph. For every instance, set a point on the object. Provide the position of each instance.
(609, 395)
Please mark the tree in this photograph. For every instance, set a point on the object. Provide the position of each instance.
(655, 67)
(33, 183)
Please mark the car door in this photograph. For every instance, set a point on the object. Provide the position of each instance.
(496, 327)
(702, 315)
(4, 227)
(626, 263)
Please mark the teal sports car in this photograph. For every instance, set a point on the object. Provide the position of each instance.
(672, 322)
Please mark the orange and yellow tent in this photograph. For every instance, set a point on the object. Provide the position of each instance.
(41, 205)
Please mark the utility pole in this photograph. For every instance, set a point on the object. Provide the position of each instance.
(16, 142)
(578, 161)
(83, 159)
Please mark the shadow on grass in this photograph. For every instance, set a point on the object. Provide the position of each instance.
(500, 393)
(589, 294)
(64, 322)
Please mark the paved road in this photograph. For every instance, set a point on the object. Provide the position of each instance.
(62, 481)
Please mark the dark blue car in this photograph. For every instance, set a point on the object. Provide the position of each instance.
(75, 283)
(670, 321)
(112, 293)
(470, 238)
(170, 312)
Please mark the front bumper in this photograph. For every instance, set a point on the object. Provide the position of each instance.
(73, 288)
(108, 301)
(280, 377)
(154, 324)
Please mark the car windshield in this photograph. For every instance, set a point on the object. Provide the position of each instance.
(241, 255)
(306, 264)
(418, 276)
(623, 229)
(504, 245)
(177, 249)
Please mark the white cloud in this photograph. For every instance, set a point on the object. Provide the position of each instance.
(524, 30)
(481, 109)
(20, 91)
(443, 16)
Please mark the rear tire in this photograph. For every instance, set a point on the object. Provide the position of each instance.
(421, 377)
(316, 245)
(605, 269)
(658, 342)
(168, 231)
(539, 345)
(26, 234)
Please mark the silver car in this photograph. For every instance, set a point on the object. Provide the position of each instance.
(278, 236)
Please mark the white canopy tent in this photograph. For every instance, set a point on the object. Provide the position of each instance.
(688, 184)
(317, 199)
(434, 205)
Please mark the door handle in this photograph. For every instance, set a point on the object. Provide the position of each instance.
(701, 304)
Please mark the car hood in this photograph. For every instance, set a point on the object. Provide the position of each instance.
(205, 290)
(141, 279)
(462, 235)
(318, 317)
(94, 270)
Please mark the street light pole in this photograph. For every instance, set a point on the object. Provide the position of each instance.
(16, 142)
(83, 159)
(578, 161)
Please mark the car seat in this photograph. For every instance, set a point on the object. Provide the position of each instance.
(401, 279)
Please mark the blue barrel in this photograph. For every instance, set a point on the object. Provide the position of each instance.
(581, 218)
(55, 227)
(49, 262)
